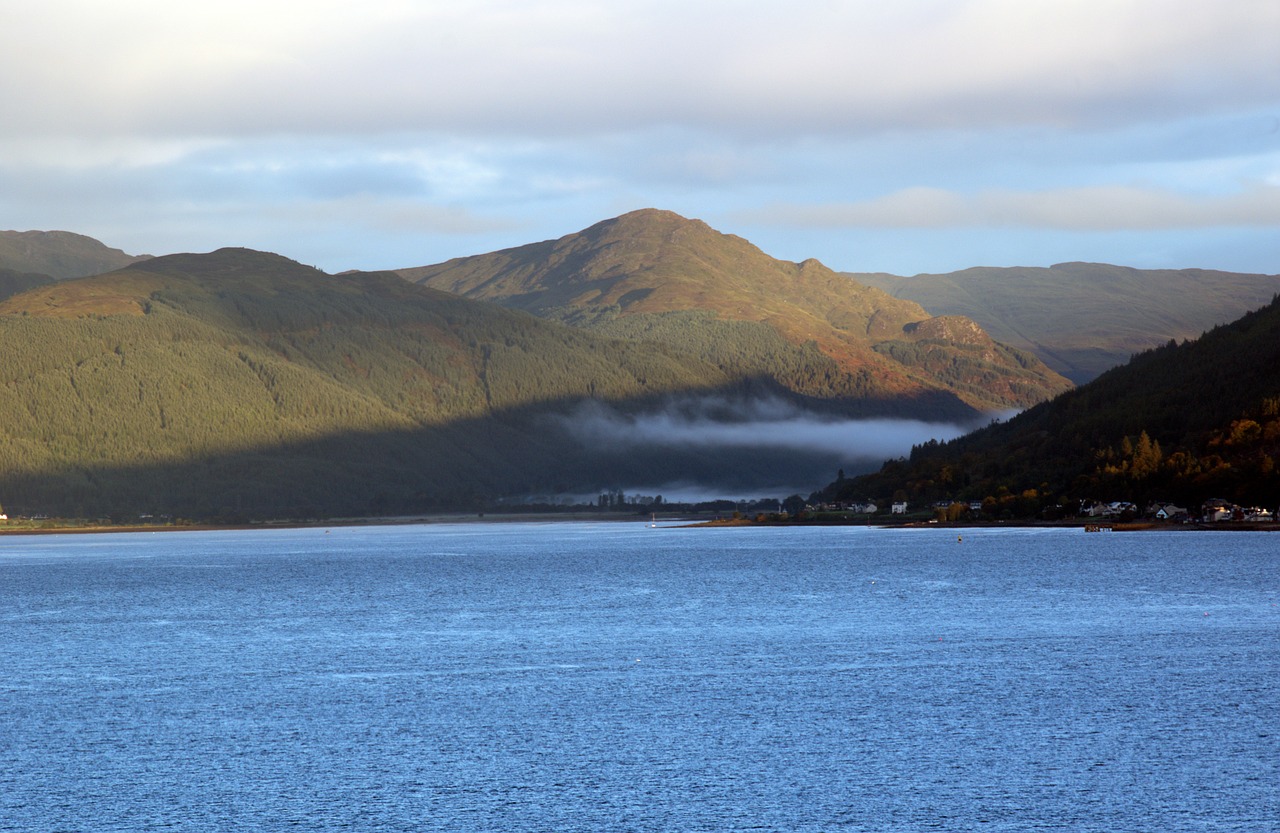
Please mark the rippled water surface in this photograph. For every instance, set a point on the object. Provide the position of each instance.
(615, 677)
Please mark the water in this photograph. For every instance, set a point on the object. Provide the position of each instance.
(606, 677)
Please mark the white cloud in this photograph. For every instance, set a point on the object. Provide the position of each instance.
(762, 424)
(73, 154)
(441, 128)
(551, 68)
(388, 216)
(1098, 208)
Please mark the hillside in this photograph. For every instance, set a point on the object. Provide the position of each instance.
(655, 276)
(13, 282)
(241, 384)
(1084, 318)
(1183, 422)
(59, 254)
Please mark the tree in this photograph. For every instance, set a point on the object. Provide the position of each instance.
(1147, 457)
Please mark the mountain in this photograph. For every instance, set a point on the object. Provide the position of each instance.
(1182, 422)
(59, 254)
(1083, 318)
(240, 384)
(658, 277)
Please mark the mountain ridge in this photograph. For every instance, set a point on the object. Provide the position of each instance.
(653, 263)
(242, 383)
(60, 254)
(1083, 318)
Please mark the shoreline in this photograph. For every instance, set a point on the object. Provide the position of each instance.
(76, 528)
(683, 521)
(1084, 526)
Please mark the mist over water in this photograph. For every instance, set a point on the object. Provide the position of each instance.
(761, 423)
(766, 426)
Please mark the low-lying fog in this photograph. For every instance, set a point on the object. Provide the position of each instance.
(768, 428)
(759, 424)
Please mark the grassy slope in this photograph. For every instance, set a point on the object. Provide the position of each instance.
(654, 265)
(1083, 318)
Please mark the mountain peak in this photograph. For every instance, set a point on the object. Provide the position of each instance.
(657, 228)
(657, 263)
(649, 215)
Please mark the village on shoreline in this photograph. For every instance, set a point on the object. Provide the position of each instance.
(1213, 515)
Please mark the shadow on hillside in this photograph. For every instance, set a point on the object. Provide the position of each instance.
(542, 450)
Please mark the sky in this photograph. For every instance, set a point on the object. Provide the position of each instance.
(906, 137)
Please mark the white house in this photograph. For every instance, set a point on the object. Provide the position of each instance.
(899, 507)
(1217, 509)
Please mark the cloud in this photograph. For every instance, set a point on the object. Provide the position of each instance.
(1098, 208)
(165, 196)
(760, 424)
(412, 132)
(391, 216)
(558, 67)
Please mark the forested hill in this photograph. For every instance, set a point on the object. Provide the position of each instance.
(240, 384)
(1183, 423)
(59, 254)
(656, 276)
(1084, 318)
